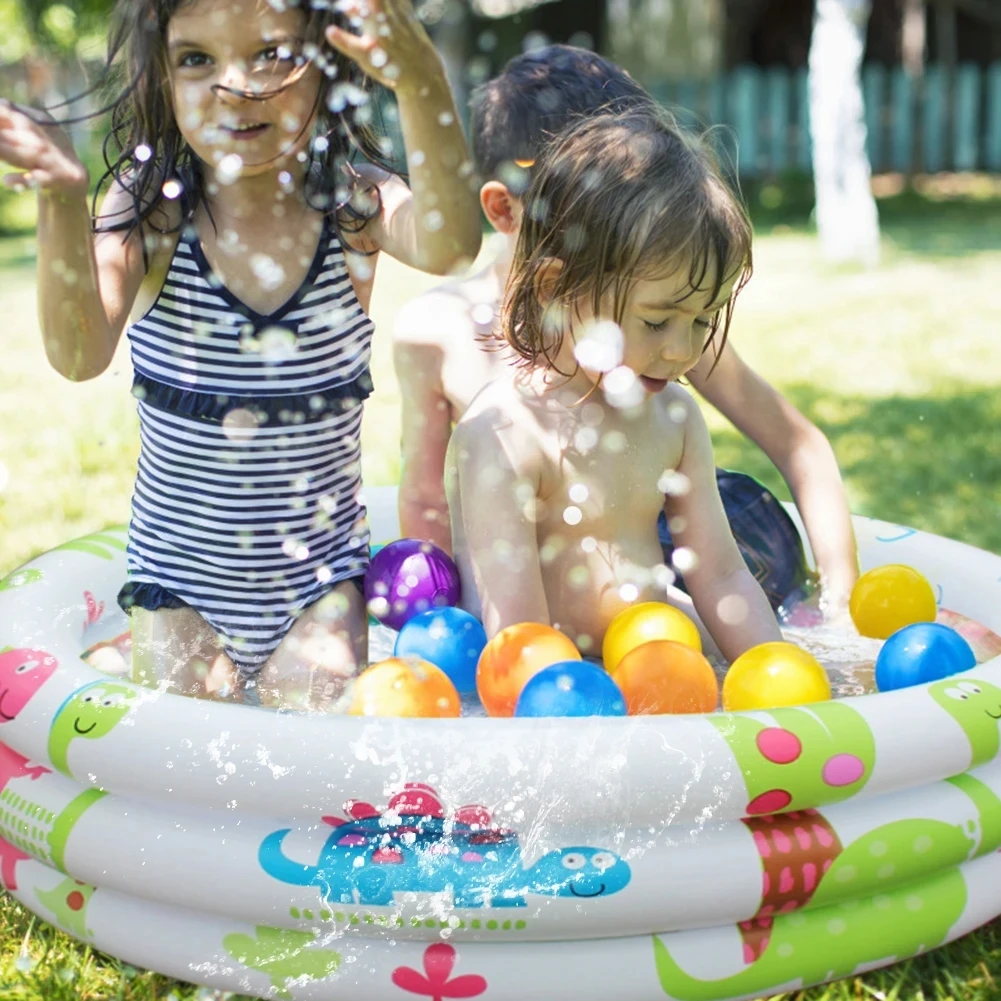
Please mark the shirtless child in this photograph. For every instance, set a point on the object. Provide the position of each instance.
(630, 255)
(444, 355)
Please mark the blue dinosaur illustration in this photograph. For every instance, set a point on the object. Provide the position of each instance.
(414, 847)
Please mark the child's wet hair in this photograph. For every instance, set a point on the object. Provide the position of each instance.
(144, 148)
(536, 96)
(620, 198)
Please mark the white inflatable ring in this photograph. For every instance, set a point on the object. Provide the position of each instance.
(703, 857)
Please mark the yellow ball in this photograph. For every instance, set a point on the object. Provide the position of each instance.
(643, 623)
(890, 597)
(772, 675)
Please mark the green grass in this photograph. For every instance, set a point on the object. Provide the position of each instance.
(901, 366)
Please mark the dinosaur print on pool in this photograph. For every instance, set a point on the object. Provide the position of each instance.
(282, 955)
(13, 765)
(890, 894)
(808, 757)
(68, 902)
(90, 712)
(976, 706)
(413, 846)
(22, 673)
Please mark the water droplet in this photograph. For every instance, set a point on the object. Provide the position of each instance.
(229, 168)
(684, 559)
(172, 189)
(143, 153)
(629, 592)
(673, 483)
(573, 515)
(578, 493)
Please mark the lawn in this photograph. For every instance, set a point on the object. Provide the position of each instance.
(901, 366)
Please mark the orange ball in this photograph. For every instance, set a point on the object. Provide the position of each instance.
(404, 686)
(666, 677)
(513, 656)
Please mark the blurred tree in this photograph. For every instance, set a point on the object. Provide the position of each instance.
(59, 27)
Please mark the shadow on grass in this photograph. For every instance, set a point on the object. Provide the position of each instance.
(937, 225)
(931, 462)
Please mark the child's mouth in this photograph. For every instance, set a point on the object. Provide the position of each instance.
(653, 386)
(245, 131)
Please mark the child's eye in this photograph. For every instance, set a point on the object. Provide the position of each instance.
(705, 322)
(276, 54)
(655, 326)
(193, 60)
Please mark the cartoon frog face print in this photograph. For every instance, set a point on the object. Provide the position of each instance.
(976, 706)
(90, 712)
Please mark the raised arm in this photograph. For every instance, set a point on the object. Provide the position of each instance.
(492, 480)
(426, 423)
(86, 284)
(804, 457)
(727, 597)
(435, 224)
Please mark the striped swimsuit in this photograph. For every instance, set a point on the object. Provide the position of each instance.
(246, 505)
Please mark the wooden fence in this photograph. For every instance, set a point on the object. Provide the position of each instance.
(941, 121)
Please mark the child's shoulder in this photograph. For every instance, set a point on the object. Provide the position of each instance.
(449, 315)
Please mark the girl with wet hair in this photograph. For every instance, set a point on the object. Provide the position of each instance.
(630, 256)
(246, 203)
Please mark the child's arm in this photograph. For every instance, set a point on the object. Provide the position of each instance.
(727, 597)
(492, 480)
(426, 423)
(804, 457)
(435, 225)
(86, 283)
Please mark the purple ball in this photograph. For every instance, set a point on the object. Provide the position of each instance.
(408, 577)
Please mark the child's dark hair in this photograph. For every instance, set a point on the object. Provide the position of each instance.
(535, 97)
(144, 148)
(619, 198)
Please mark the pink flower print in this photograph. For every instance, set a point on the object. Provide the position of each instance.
(435, 984)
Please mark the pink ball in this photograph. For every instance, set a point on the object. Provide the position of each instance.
(408, 577)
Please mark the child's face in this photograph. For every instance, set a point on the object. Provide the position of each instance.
(664, 327)
(218, 50)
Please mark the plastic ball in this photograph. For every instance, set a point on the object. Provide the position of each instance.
(447, 637)
(774, 674)
(639, 624)
(404, 687)
(408, 577)
(889, 597)
(923, 652)
(513, 656)
(571, 688)
(666, 677)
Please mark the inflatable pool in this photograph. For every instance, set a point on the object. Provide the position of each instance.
(294, 857)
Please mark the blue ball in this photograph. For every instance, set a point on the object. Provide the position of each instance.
(920, 653)
(571, 688)
(447, 637)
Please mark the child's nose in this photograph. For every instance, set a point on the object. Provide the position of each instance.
(678, 346)
(234, 81)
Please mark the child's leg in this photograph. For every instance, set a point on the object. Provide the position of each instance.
(177, 649)
(326, 647)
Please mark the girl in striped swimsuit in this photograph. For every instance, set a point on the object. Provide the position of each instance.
(241, 228)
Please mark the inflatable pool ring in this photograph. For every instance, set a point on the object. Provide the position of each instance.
(294, 857)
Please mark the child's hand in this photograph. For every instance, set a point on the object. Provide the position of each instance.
(43, 152)
(392, 45)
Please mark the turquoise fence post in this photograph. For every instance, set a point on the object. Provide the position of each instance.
(874, 90)
(933, 118)
(966, 118)
(804, 149)
(716, 101)
(745, 87)
(992, 145)
(687, 104)
(901, 120)
(778, 119)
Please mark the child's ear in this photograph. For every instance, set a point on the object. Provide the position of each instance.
(502, 209)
